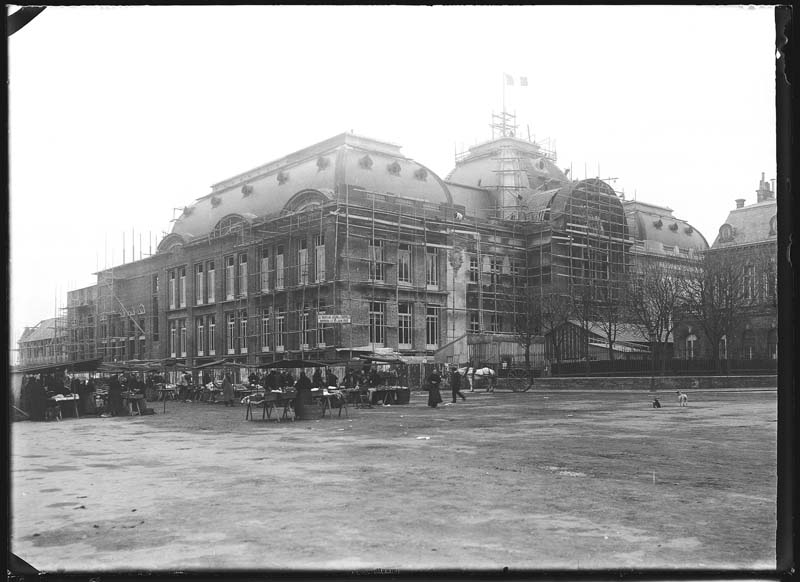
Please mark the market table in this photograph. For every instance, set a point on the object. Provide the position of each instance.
(327, 396)
(163, 393)
(389, 394)
(134, 400)
(55, 402)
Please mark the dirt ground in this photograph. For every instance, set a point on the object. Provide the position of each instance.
(523, 480)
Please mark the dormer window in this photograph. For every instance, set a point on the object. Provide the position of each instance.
(688, 230)
(725, 233)
(216, 201)
(673, 227)
(365, 162)
(247, 189)
(658, 223)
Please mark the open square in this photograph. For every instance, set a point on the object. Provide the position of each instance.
(525, 480)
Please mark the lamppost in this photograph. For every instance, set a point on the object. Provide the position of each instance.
(652, 361)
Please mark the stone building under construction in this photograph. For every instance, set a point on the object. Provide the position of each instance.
(348, 246)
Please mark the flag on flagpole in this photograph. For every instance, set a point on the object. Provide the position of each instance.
(509, 79)
(523, 81)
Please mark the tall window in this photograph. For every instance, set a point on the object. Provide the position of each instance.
(212, 282)
(319, 258)
(183, 338)
(432, 328)
(772, 282)
(230, 332)
(243, 275)
(198, 284)
(748, 344)
(377, 322)
(474, 276)
(376, 260)
(302, 263)
(494, 266)
(172, 290)
(723, 348)
(404, 326)
(280, 331)
(230, 278)
(200, 336)
(279, 279)
(306, 334)
(243, 331)
(749, 282)
(265, 270)
(155, 286)
(404, 264)
(173, 338)
(155, 319)
(182, 286)
(772, 344)
(265, 330)
(212, 335)
(321, 327)
(494, 323)
(474, 322)
(431, 267)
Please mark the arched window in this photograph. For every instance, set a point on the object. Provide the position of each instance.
(227, 224)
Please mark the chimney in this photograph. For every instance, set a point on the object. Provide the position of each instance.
(740, 202)
(764, 191)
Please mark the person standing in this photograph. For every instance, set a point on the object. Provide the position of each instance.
(115, 396)
(227, 390)
(455, 384)
(434, 396)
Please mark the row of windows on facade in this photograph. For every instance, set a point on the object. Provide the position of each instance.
(273, 333)
(273, 272)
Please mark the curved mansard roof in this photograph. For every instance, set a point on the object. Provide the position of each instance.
(310, 176)
(657, 228)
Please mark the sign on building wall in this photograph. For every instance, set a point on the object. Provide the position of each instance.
(331, 318)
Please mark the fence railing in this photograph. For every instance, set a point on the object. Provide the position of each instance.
(672, 367)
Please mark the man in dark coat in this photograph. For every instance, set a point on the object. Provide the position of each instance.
(455, 384)
(434, 396)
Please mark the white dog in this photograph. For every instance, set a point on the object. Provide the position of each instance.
(683, 400)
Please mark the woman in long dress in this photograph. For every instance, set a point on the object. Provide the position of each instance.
(434, 396)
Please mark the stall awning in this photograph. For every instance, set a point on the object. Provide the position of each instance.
(79, 366)
(296, 364)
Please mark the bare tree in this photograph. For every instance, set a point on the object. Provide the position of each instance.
(557, 309)
(610, 310)
(528, 321)
(655, 292)
(722, 290)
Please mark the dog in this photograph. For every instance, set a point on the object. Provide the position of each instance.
(683, 400)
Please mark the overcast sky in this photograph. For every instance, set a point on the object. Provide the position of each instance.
(120, 114)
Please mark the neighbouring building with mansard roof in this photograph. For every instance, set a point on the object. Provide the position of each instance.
(349, 245)
(748, 239)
